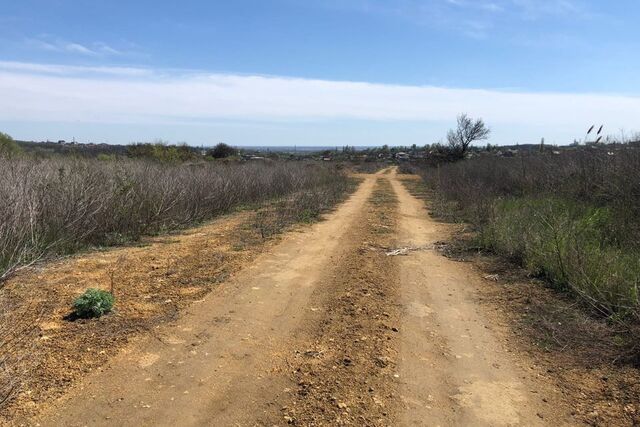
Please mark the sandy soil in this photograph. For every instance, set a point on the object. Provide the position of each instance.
(456, 369)
(221, 363)
(343, 368)
(357, 320)
(47, 350)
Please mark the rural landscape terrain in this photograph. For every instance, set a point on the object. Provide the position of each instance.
(261, 213)
(443, 285)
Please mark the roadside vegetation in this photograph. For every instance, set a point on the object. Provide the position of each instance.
(571, 218)
(59, 205)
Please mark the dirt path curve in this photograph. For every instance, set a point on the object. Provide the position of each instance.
(219, 364)
(454, 368)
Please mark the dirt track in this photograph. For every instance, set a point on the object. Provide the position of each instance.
(326, 329)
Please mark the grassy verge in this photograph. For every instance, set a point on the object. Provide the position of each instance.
(572, 245)
(301, 207)
(571, 218)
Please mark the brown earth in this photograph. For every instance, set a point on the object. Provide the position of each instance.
(342, 370)
(44, 350)
(356, 320)
(152, 283)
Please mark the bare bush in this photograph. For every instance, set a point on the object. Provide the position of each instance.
(57, 206)
(302, 206)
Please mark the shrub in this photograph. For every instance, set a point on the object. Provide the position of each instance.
(222, 151)
(57, 206)
(568, 243)
(93, 303)
(573, 217)
(106, 157)
(304, 206)
(163, 152)
(8, 146)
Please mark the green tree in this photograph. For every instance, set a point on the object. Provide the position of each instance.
(7, 145)
(222, 151)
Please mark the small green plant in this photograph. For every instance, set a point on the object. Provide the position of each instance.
(93, 303)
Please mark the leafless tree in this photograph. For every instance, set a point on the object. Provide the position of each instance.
(467, 132)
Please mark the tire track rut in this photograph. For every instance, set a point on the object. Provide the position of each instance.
(344, 371)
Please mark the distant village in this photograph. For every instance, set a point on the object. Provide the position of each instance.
(384, 153)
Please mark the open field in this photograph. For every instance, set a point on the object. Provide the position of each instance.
(43, 346)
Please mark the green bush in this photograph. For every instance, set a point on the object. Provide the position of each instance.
(571, 244)
(222, 151)
(103, 157)
(93, 303)
(7, 145)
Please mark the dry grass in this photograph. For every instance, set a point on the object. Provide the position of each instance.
(58, 206)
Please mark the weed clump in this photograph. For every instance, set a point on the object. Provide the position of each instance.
(93, 303)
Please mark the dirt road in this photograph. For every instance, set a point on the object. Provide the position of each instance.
(327, 329)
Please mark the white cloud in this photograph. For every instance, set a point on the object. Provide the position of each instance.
(37, 92)
(106, 49)
(78, 48)
(68, 70)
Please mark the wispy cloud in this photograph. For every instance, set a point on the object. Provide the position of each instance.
(71, 70)
(534, 9)
(63, 46)
(39, 92)
(474, 18)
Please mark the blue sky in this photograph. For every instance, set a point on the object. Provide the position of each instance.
(316, 72)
